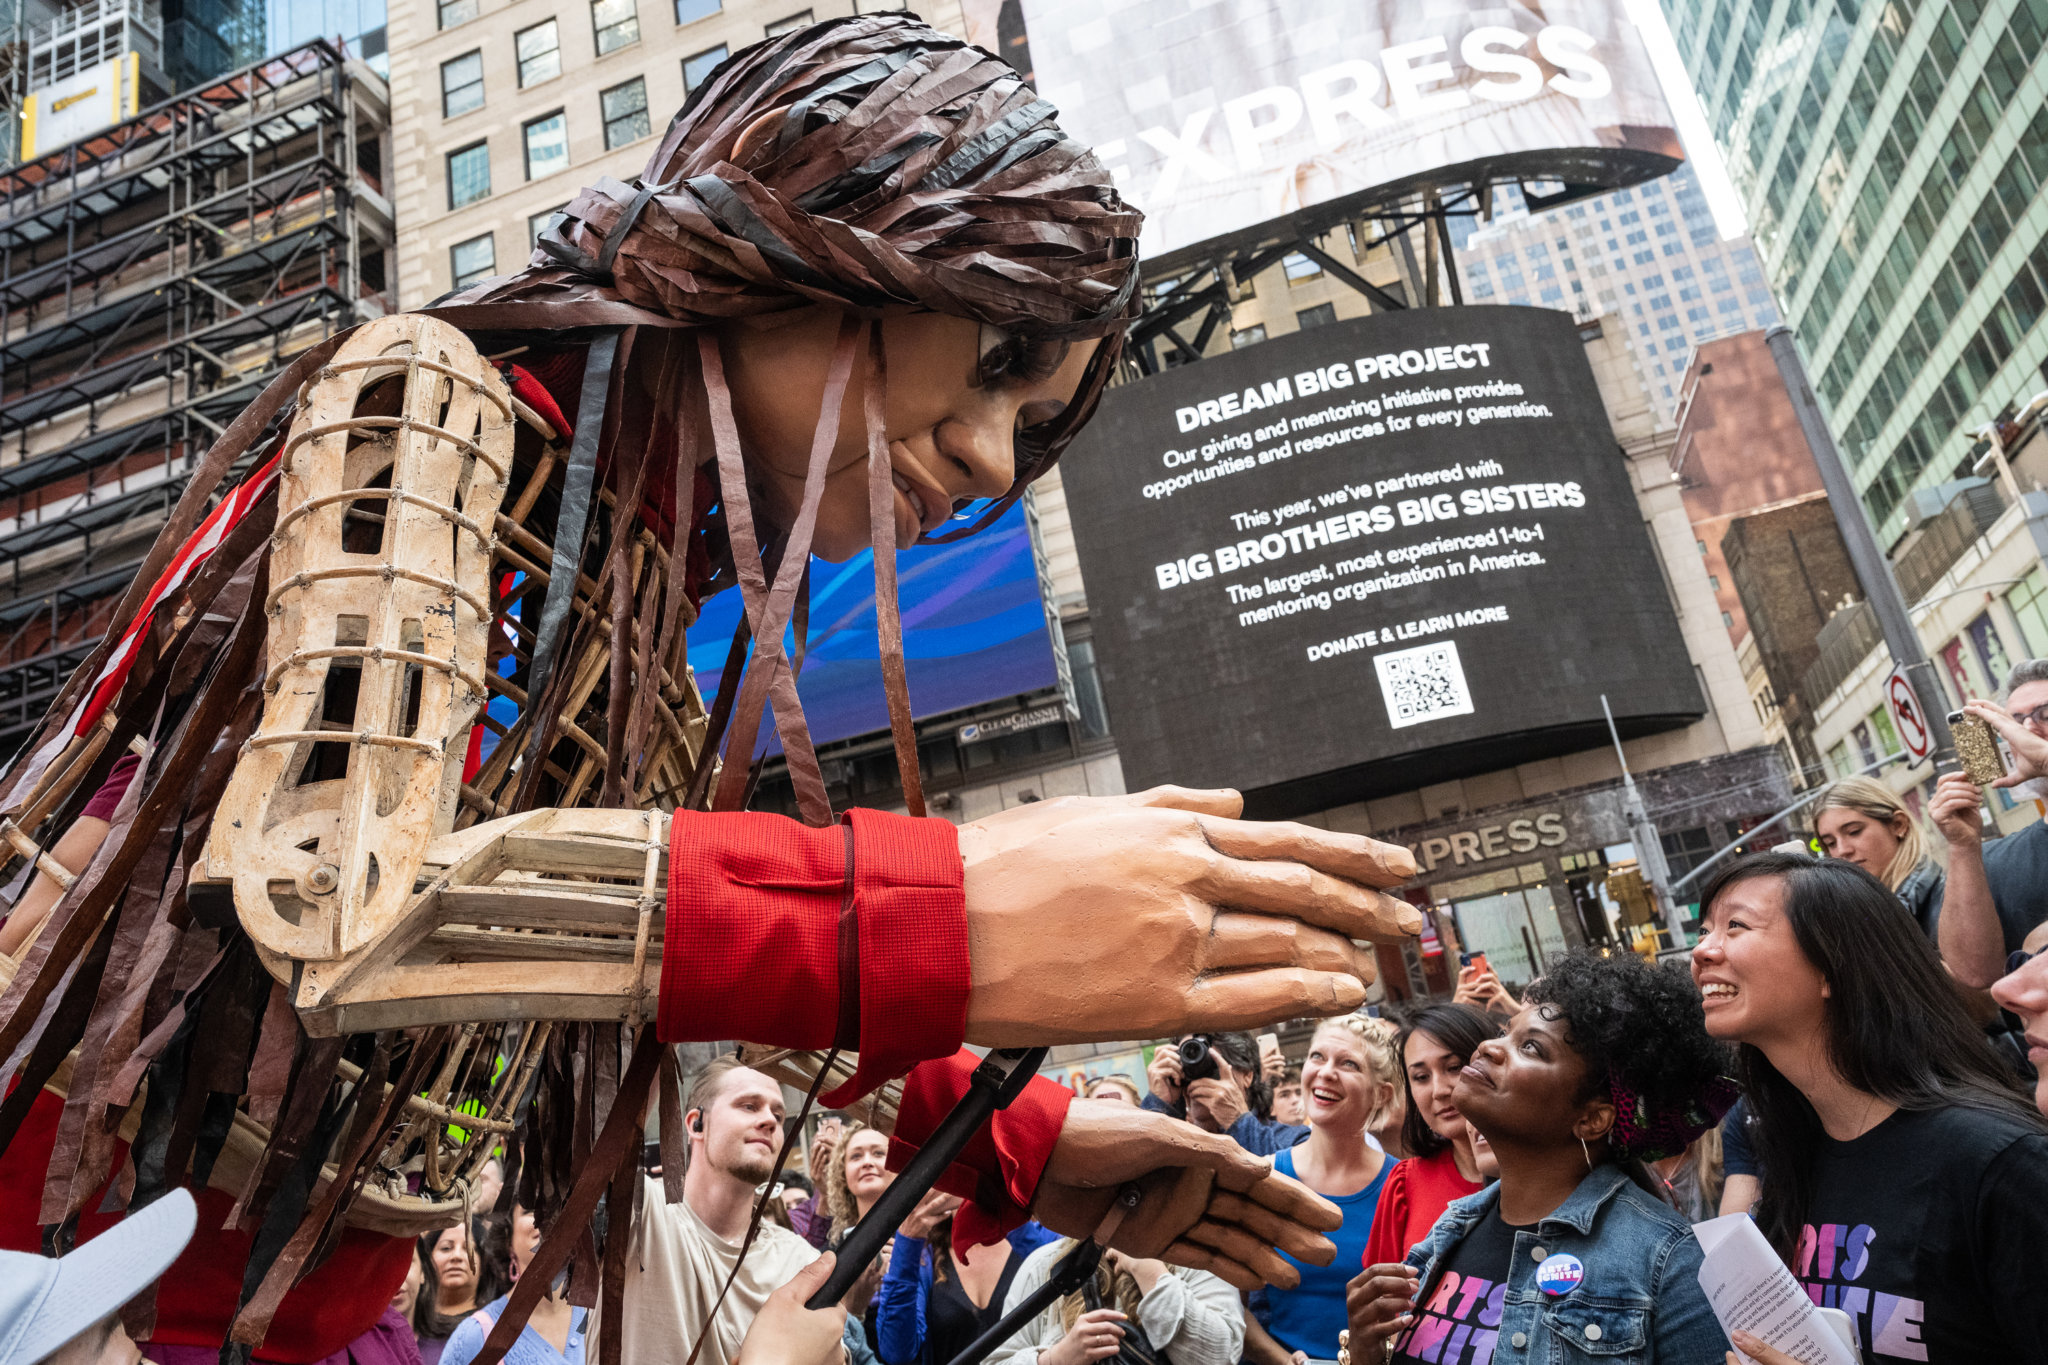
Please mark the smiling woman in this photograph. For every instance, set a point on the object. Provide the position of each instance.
(1570, 1256)
(1348, 1081)
(1905, 1176)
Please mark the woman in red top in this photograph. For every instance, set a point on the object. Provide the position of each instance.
(1434, 1046)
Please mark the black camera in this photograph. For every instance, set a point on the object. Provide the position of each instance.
(1199, 1060)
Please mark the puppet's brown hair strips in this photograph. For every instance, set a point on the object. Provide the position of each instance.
(907, 172)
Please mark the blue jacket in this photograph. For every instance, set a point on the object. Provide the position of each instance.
(1260, 1137)
(906, 1290)
(1640, 1302)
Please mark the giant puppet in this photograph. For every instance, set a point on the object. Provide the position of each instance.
(350, 928)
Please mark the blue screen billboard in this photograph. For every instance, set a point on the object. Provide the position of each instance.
(974, 631)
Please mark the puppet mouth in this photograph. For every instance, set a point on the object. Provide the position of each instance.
(911, 496)
(922, 507)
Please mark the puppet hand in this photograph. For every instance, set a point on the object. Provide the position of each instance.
(1207, 1202)
(1157, 914)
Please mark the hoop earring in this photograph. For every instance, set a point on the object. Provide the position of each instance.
(1588, 1153)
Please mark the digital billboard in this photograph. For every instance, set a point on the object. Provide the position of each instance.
(974, 631)
(1368, 556)
(1215, 115)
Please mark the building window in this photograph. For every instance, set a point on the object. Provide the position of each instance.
(1320, 315)
(625, 113)
(469, 174)
(1088, 688)
(789, 25)
(540, 53)
(1300, 267)
(1248, 336)
(473, 260)
(462, 84)
(455, 12)
(617, 23)
(1727, 620)
(547, 145)
(698, 69)
(690, 11)
(2029, 603)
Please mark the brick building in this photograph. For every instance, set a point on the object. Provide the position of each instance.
(1789, 569)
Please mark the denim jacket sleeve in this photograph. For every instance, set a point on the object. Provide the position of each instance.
(1264, 1137)
(900, 1303)
(1686, 1330)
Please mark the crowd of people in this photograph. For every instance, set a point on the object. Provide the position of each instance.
(1857, 1057)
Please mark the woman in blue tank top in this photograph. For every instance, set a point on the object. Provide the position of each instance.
(1348, 1080)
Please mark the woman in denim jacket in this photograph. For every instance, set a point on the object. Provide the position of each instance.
(1569, 1257)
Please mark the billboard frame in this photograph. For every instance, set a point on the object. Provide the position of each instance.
(1213, 266)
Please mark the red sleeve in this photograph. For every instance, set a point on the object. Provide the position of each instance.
(1383, 1245)
(762, 912)
(997, 1171)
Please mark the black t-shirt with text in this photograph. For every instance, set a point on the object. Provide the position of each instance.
(1457, 1319)
(1930, 1232)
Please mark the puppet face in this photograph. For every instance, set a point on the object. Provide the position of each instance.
(957, 394)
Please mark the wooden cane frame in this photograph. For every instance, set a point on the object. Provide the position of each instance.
(509, 925)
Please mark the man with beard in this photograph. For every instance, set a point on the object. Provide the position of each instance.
(682, 1254)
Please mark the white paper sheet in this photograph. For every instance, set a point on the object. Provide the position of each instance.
(1751, 1290)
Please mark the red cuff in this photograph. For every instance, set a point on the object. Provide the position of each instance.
(752, 948)
(997, 1171)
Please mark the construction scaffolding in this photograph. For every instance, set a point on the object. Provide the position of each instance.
(152, 277)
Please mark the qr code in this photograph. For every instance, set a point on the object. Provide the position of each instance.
(1423, 683)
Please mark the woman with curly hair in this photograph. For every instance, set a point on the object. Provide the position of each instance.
(1905, 1175)
(1571, 1255)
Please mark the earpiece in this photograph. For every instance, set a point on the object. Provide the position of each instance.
(697, 1124)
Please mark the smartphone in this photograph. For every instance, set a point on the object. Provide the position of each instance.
(1843, 1327)
(1976, 748)
(1477, 960)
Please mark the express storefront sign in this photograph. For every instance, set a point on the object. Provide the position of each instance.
(1507, 838)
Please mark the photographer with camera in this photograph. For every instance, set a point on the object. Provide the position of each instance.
(1215, 1081)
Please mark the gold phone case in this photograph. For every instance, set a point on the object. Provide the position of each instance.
(1976, 748)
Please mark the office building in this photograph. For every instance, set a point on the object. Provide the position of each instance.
(1649, 258)
(502, 110)
(1890, 157)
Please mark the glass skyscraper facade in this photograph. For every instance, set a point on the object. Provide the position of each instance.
(1892, 158)
(1648, 256)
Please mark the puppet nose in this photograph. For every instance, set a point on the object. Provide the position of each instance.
(982, 453)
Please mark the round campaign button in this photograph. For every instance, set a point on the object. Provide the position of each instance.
(1559, 1275)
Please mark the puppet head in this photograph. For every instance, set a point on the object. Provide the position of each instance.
(873, 164)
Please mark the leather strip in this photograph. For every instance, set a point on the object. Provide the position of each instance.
(613, 1145)
(571, 523)
(248, 425)
(847, 1035)
(882, 535)
(673, 1150)
(768, 676)
(699, 793)
(79, 911)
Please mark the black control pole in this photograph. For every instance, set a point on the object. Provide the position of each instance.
(1000, 1078)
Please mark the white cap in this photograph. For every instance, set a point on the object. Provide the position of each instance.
(46, 1303)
